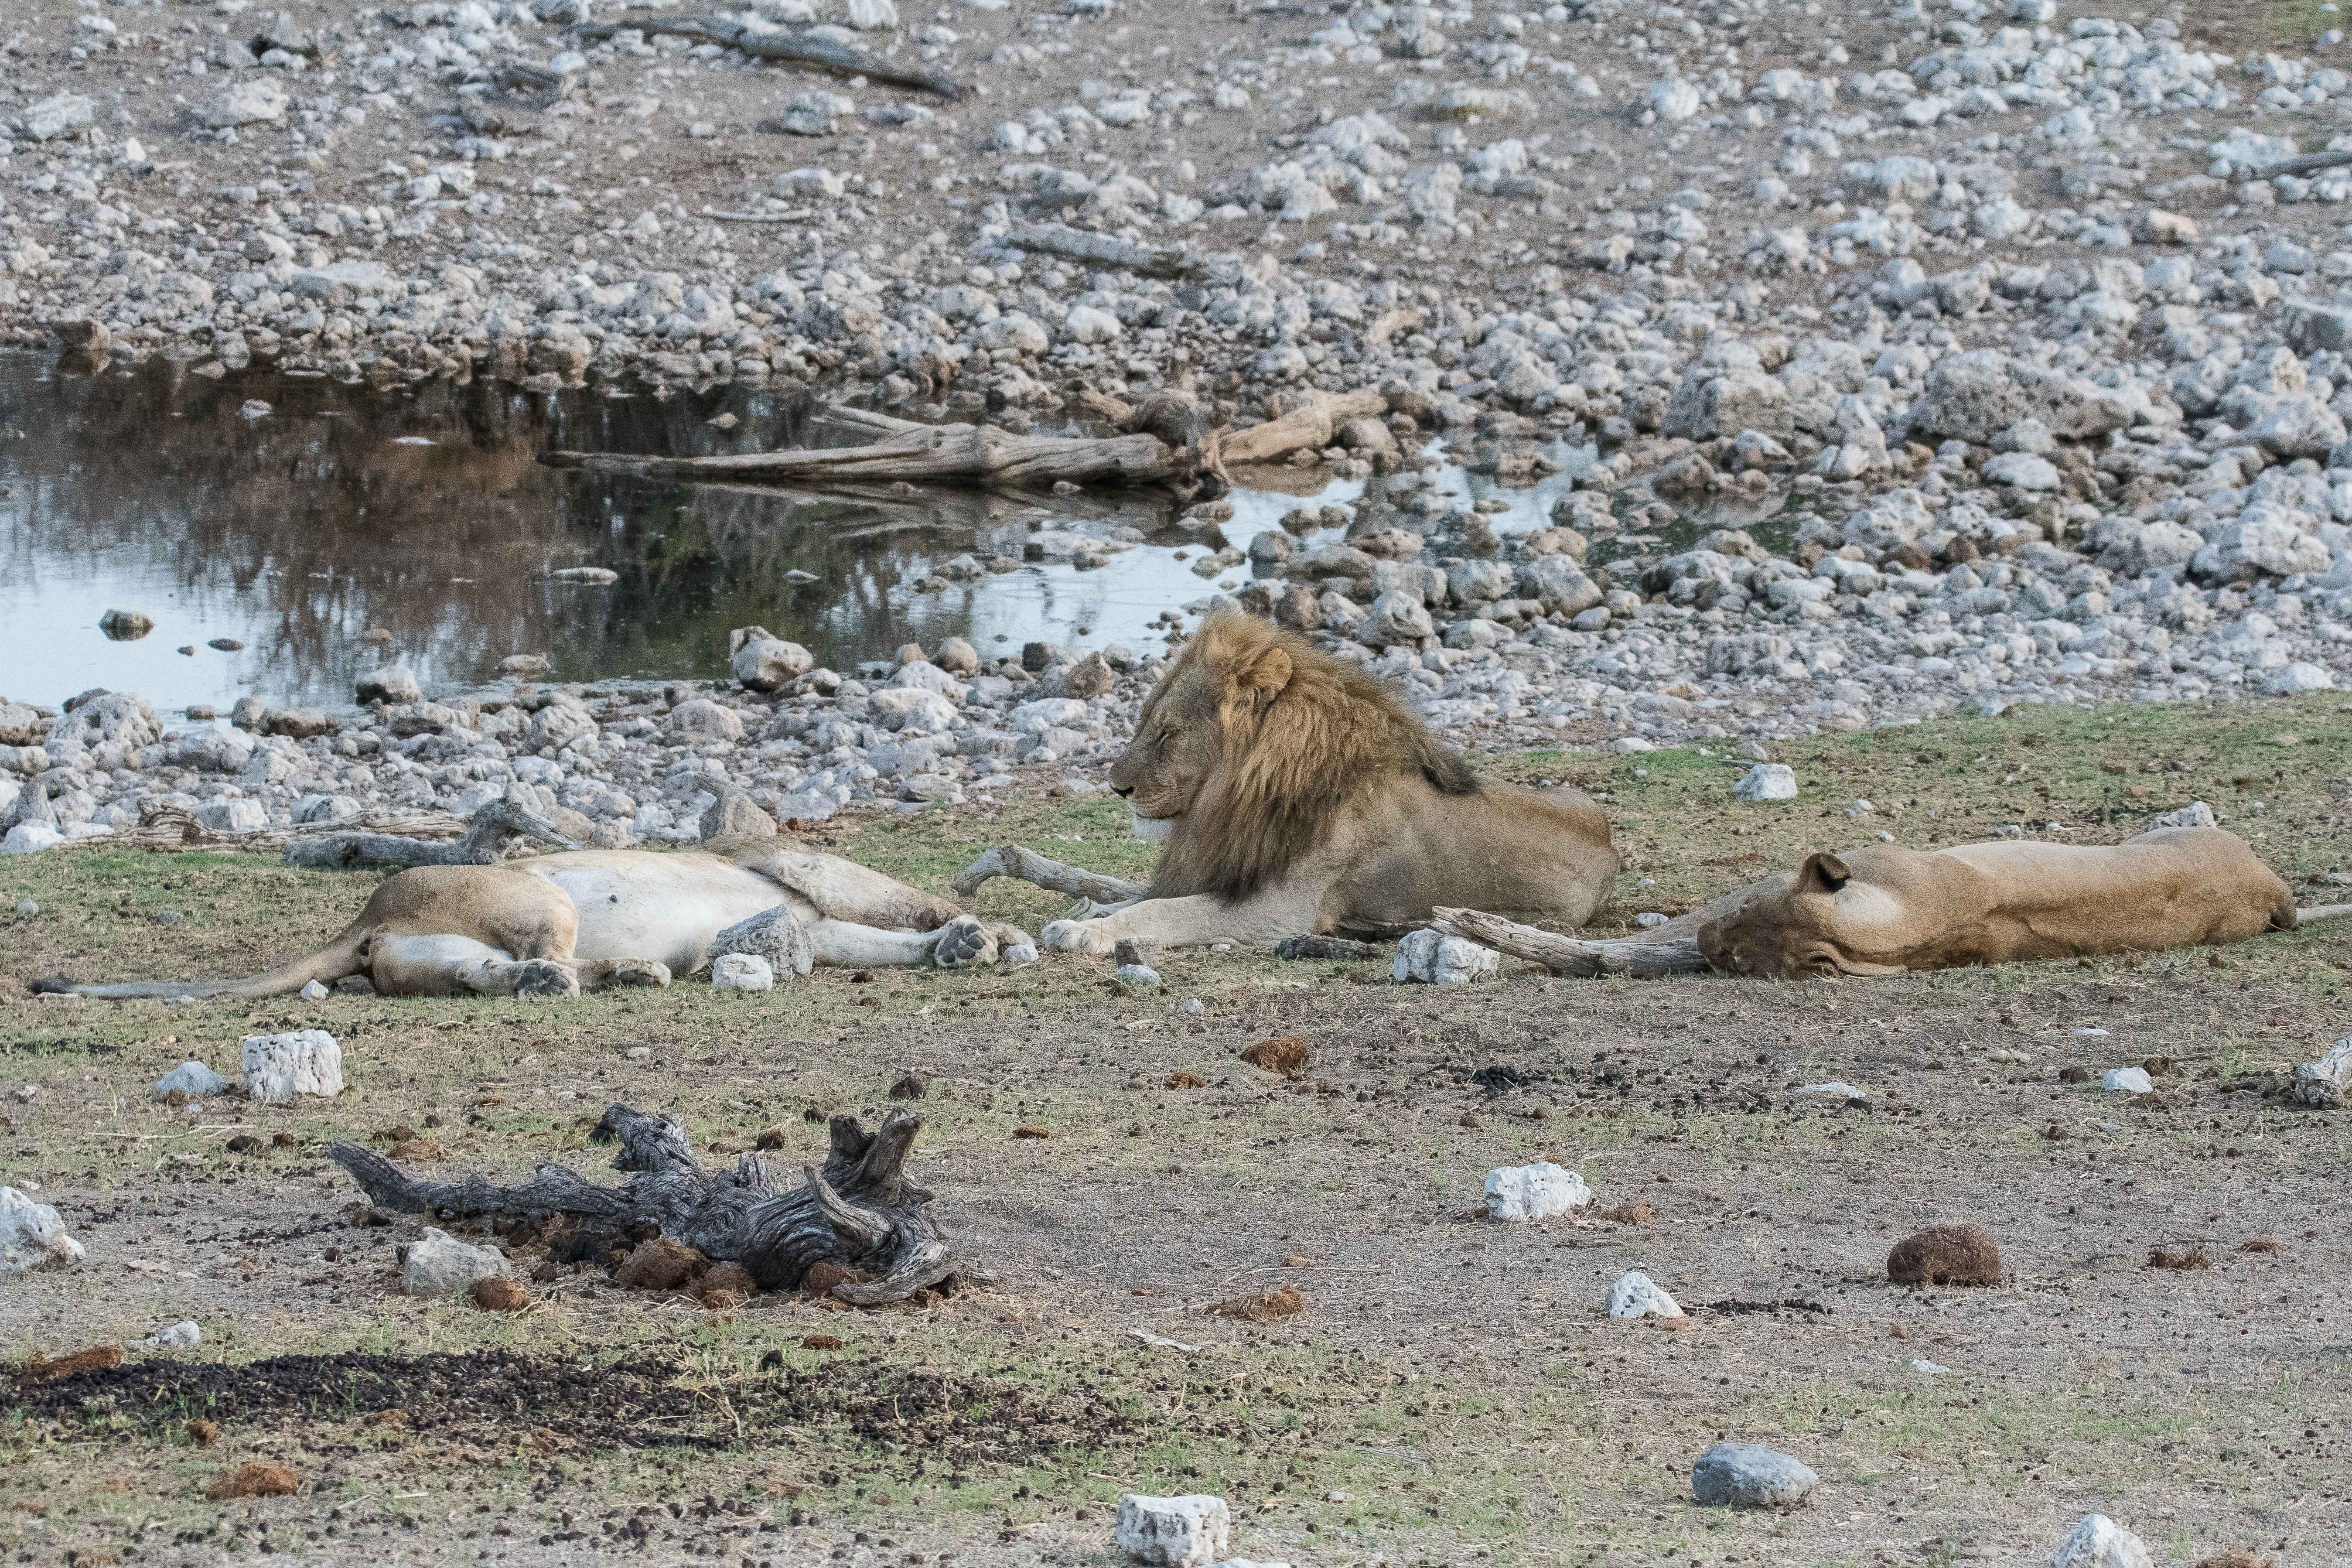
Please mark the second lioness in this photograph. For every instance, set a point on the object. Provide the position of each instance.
(1302, 799)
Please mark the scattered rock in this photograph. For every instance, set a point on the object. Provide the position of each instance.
(741, 971)
(32, 1236)
(1963, 1254)
(1635, 1294)
(280, 1068)
(1766, 781)
(1745, 1475)
(496, 1293)
(125, 625)
(2327, 1082)
(438, 1265)
(1189, 1531)
(772, 936)
(1136, 977)
(2100, 1543)
(2128, 1081)
(1524, 1193)
(192, 1081)
(1428, 958)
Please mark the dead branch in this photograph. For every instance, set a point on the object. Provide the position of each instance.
(1645, 958)
(494, 830)
(1139, 257)
(799, 49)
(1026, 865)
(2309, 163)
(924, 453)
(1310, 421)
(859, 1211)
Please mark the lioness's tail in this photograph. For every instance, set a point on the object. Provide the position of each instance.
(2322, 912)
(346, 954)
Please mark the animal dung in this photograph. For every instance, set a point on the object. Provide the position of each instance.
(1963, 1254)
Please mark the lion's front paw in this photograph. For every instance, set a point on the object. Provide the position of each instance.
(962, 942)
(1085, 938)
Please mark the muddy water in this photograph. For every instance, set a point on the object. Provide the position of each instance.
(422, 513)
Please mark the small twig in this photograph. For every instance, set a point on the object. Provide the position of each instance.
(2309, 163)
(798, 49)
(796, 216)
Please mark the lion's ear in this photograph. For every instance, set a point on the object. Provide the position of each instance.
(1824, 874)
(1262, 676)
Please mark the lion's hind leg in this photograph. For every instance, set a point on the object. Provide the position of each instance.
(448, 965)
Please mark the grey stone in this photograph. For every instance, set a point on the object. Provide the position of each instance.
(194, 1080)
(2196, 813)
(1431, 958)
(735, 814)
(1134, 977)
(2126, 1081)
(59, 114)
(764, 662)
(233, 814)
(2327, 1082)
(392, 683)
(1746, 1474)
(1709, 403)
(773, 935)
(1520, 1194)
(1766, 781)
(438, 1265)
(252, 101)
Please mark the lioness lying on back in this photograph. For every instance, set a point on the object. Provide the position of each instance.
(1883, 909)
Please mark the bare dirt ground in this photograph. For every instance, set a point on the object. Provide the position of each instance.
(1452, 1392)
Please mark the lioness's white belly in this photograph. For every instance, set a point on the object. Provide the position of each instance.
(666, 908)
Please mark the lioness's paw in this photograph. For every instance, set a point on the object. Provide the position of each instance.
(1085, 938)
(962, 942)
(544, 977)
(638, 971)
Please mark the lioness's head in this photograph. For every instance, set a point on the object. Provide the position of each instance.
(1251, 743)
(1798, 930)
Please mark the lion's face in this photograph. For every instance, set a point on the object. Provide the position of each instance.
(1178, 741)
(1789, 932)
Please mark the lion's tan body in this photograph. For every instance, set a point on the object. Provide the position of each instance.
(601, 917)
(1883, 909)
(1305, 800)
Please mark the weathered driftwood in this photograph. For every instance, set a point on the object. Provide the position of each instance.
(1164, 443)
(1135, 256)
(2309, 163)
(924, 453)
(1026, 865)
(1643, 957)
(494, 830)
(860, 1211)
(799, 49)
(1308, 421)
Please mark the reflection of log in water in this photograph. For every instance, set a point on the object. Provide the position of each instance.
(301, 530)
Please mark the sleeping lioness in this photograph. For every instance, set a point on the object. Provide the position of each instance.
(1883, 909)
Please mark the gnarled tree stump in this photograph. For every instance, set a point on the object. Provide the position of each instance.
(859, 1210)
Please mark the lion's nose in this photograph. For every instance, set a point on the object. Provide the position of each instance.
(1122, 790)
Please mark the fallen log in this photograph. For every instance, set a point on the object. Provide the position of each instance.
(494, 830)
(859, 1211)
(924, 453)
(2309, 163)
(1136, 256)
(798, 49)
(1643, 957)
(1310, 420)
(1026, 865)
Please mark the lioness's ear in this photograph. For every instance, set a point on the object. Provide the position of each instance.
(1823, 874)
(1261, 677)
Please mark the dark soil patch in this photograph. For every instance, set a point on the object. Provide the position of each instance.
(491, 1396)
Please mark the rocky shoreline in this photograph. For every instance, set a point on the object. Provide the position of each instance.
(2037, 321)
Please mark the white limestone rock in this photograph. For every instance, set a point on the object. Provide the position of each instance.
(280, 1068)
(772, 936)
(1519, 1193)
(741, 971)
(1746, 1474)
(32, 1236)
(1635, 1294)
(1428, 958)
(1766, 781)
(2100, 1543)
(1188, 1532)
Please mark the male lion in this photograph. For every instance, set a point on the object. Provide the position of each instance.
(1303, 799)
(610, 917)
(1885, 909)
